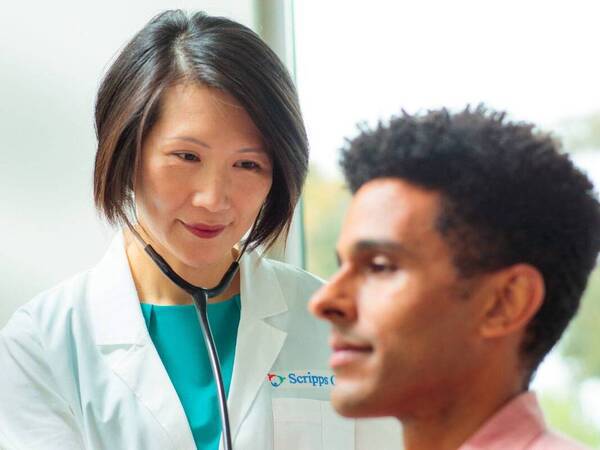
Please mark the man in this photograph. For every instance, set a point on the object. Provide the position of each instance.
(463, 257)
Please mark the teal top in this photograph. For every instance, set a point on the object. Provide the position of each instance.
(177, 336)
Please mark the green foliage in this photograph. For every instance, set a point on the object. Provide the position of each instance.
(578, 347)
(326, 202)
(563, 414)
(579, 344)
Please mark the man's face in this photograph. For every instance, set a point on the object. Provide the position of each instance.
(404, 324)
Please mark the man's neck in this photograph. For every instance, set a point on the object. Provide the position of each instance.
(446, 423)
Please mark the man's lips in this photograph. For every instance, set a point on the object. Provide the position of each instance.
(203, 230)
(346, 352)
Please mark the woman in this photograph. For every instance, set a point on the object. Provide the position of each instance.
(202, 153)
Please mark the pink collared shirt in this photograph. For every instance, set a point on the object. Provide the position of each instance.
(519, 425)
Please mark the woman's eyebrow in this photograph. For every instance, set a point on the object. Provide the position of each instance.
(201, 143)
(190, 139)
(252, 150)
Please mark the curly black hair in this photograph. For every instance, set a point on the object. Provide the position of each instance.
(508, 195)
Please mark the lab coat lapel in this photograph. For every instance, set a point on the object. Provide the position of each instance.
(258, 343)
(123, 340)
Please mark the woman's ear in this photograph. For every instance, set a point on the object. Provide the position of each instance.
(517, 294)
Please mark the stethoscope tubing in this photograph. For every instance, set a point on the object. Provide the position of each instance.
(200, 300)
(200, 295)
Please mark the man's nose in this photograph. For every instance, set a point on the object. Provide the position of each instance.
(335, 301)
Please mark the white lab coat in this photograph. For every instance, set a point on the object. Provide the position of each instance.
(78, 370)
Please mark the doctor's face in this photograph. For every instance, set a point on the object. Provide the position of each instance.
(203, 177)
(402, 328)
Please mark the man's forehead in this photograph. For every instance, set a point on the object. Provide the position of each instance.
(389, 209)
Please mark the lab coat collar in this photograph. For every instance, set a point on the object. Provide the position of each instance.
(122, 338)
(118, 324)
(260, 286)
(258, 343)
(114, 305)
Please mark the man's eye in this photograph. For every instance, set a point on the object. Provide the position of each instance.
(380, 264)
(187, 156)
(248, 165)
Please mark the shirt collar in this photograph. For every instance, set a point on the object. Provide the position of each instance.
(521, 415)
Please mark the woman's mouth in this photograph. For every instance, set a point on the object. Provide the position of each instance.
(204, 231)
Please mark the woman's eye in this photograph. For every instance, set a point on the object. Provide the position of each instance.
(248, 165)
(187, 156)
(380, 263)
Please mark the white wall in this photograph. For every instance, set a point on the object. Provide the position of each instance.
(52, 57)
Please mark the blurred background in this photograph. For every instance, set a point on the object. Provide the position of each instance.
(354, 62)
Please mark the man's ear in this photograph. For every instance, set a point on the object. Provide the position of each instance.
(516, 294)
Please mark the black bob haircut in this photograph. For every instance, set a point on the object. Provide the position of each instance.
(175, 47)
(508, 195)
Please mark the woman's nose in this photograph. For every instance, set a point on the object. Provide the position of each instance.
(211, 192)
(335, 301)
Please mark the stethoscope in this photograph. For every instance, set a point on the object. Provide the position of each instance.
(200, 295)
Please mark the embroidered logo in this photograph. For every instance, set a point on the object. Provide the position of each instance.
(275, 380)
(301, 379)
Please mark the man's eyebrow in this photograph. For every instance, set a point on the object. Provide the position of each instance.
(368, 245)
